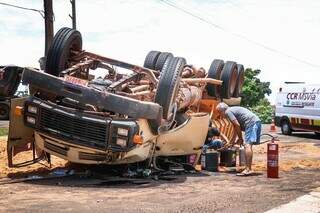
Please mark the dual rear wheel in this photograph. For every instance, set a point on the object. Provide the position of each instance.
(232, 75)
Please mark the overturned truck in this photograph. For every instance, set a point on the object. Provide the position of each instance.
(161, 110)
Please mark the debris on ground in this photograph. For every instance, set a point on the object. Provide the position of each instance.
(292, 156)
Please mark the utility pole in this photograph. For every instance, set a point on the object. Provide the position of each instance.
(48, 21)
(73, 16)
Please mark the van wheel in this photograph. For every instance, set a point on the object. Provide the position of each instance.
(60, 52)
(286, 127)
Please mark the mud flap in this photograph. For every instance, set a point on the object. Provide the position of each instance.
(21, 138)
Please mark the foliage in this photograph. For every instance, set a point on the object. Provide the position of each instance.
(253, 89)
(264, 111)
(4, 131)
(253, 95)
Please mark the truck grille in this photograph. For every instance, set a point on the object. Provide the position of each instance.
(86, 132)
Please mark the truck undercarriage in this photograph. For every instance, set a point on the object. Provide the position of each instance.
(162, 109)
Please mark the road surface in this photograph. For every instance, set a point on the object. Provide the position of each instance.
(206, 192)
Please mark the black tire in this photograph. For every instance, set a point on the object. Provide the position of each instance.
(215, 72)
(229, 78)
(240, 81)
(163, 57)
(286, 127)
(65, 40)
(151, 59)
(4, 111)
(168, 86)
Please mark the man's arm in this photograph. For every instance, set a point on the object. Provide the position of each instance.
(236, 125)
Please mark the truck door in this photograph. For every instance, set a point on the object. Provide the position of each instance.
(20, 137)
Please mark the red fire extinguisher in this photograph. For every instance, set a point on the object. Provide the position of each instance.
(272, 159)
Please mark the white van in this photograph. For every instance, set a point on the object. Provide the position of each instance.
(298, 108)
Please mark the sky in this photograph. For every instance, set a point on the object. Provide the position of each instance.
(279, 37)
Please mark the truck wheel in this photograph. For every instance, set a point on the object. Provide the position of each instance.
(229, 78)
(151, 59)
(59, 53)
(168, 86)
(163, 57)
(4, 111)
(215, 72)
(286, 127)
(240, 80)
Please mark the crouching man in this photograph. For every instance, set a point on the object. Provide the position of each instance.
(243, 120)
(212, 142)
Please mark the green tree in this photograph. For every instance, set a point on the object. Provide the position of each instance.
(253, 95)
(253, 89)
(263, 110)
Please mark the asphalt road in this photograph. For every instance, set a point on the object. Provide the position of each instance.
(206, 192)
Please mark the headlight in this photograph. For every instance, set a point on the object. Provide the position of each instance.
(121, 142)
(31, 120)
(122, 132)
(32, 109)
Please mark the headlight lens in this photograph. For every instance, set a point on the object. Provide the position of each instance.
(31, 120)
(121, 142)
(123, 132)
(32, 109)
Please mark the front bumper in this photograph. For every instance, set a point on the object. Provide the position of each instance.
(80, 128)
(84, 155)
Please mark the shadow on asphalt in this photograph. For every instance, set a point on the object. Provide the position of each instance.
(300, 135)
(306, 135)
(99, 176)
(113, 181)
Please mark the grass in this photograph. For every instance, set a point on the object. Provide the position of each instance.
(4, 131)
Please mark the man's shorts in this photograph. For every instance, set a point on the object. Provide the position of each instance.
(252, 133)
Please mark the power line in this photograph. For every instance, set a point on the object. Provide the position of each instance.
(167, 2)
(24, 8)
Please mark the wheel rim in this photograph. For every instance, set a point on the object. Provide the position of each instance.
(285, 127)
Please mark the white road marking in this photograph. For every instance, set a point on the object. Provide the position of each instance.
(309, 203)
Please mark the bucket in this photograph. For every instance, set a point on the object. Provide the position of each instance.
(210, 160)
(228, 158)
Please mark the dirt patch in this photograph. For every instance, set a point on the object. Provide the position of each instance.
(37, 168)
(292, 156)
(290, 165)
